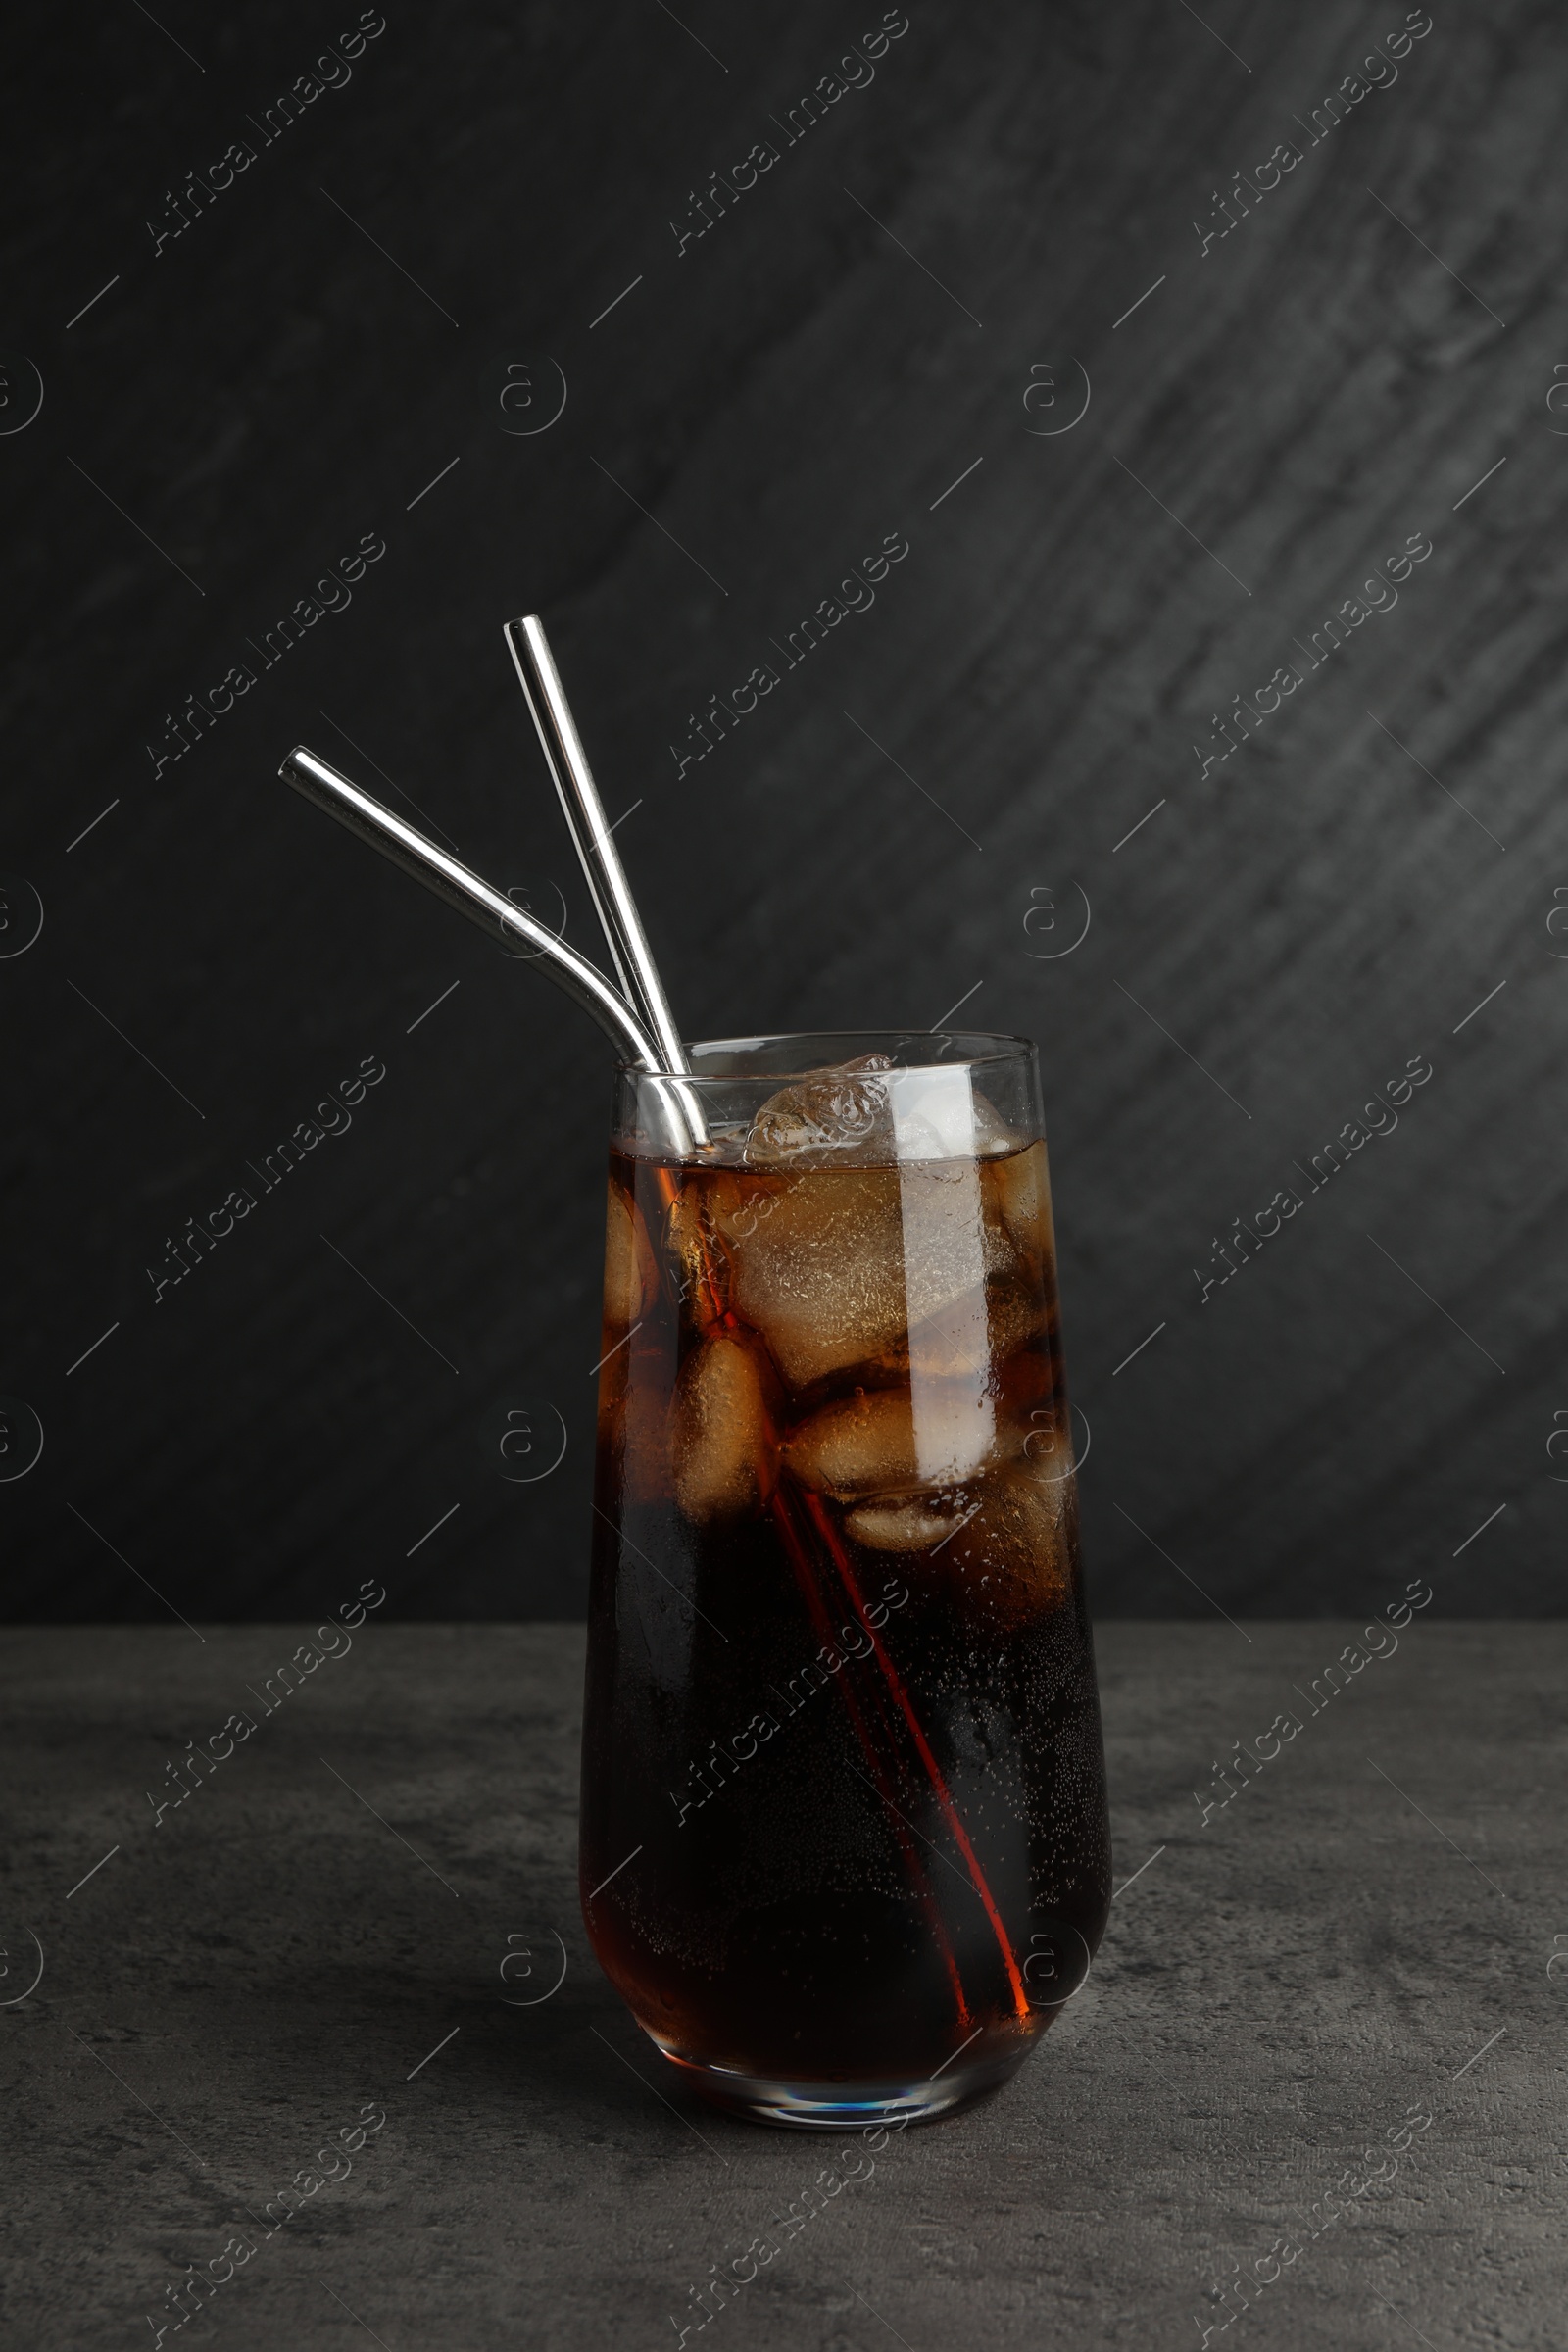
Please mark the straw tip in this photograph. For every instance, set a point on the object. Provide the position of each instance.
(305, 771)
(526, 622)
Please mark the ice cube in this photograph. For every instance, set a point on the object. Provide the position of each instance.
(816, 1264)
(833, 1262)
(826, 1118)
(869, 1114)
(886, 1442)
(863, 1444)
(1019, 1198)
(937, 1112)
(954, 1242)
(704, 1266)
(631, 1276)
(833, 1266)
(1001, 1551)
(944, 1276)
(913, 1523)
(993, 1137)
(722, 1440)
(978, 1329)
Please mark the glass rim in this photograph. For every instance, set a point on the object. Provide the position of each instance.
(982, 1048)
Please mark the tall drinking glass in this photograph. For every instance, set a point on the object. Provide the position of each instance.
(845, 1852)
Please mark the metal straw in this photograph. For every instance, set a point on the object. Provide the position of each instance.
(465, 889)
(595, 843)
(597, 852)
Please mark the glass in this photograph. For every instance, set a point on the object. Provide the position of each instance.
(845, 1850)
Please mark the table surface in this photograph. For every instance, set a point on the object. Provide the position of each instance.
(1361, 1936)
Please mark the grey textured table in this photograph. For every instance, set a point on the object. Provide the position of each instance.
(314, 1940)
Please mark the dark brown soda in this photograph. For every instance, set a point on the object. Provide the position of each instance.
(842, 1802)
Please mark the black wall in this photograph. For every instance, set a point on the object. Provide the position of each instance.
(924, 808)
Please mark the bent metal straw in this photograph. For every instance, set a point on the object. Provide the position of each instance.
(470, 895)
(411, 850)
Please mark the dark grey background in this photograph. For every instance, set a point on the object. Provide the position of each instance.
(1279, 415)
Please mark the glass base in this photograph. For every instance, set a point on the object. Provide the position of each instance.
(804, 2106)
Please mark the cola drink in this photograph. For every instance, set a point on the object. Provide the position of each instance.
(845, 1846)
